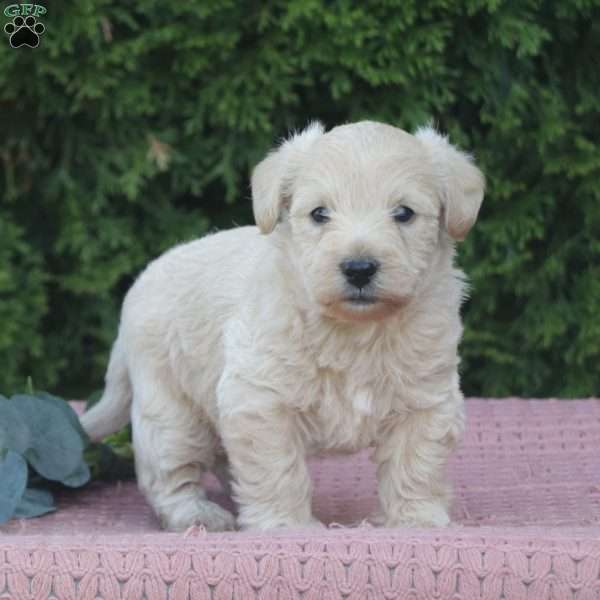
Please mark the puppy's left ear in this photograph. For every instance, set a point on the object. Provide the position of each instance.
(461, 184)
(273, 178)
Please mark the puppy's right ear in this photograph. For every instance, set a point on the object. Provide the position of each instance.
(272, 179)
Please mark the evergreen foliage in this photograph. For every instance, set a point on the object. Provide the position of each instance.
(133, 126)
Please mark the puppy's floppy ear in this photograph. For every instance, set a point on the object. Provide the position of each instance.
(272, 179)
(461, 184)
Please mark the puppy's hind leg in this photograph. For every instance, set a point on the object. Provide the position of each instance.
(174, 444)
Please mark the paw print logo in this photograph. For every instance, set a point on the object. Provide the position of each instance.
(24, 32)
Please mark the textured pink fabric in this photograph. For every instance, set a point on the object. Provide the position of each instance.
(526, 511)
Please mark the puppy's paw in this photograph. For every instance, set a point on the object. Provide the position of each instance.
(197, 511)
(314, 523)
(415, 513)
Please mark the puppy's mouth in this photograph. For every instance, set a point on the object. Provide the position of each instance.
(362, 305)
(361, 298)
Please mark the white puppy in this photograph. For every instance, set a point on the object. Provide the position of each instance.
(333, 325)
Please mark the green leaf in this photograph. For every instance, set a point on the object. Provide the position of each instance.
(34, 503)
(107, 464)
(13, 475)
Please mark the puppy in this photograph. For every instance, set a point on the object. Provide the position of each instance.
(332, 325)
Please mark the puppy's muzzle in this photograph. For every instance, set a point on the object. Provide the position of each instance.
(359, 271)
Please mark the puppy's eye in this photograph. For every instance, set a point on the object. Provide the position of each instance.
(403, 214)
(320, 215)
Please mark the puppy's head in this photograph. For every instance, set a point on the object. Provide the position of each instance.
(364, 208)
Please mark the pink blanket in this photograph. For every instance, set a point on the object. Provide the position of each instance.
(526, 512)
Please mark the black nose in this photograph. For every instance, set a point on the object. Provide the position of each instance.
(359, 271)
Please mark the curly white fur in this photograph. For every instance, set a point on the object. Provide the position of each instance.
(242, 351)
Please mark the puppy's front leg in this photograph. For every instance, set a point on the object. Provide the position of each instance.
(411, 460)
(266, 453)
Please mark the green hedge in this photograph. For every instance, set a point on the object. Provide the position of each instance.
(134, 125)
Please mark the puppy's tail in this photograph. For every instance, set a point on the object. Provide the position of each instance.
(112, 412)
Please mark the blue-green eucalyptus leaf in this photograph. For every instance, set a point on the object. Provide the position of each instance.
(14, 431)
(56, 447)
(13, 478)
(79, 477)
(67, 410)
(34, 503)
